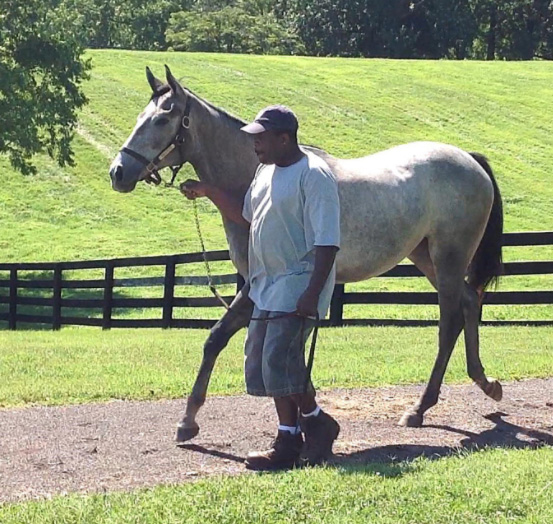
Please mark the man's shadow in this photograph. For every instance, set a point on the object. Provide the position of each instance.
(390, 460)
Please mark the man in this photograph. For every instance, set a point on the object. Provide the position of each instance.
(292, 210)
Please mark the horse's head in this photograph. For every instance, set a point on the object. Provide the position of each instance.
(159, 138)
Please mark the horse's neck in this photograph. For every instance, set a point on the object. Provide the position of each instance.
(223, 155)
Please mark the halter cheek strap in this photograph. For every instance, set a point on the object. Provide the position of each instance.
(152, 166)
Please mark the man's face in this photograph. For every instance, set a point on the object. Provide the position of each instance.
(270, 146)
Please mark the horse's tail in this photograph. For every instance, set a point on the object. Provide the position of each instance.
(487, 264)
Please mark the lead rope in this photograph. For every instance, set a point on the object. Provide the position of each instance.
(204, 256)
(311, 356)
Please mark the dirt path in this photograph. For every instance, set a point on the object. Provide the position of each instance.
(122, 445)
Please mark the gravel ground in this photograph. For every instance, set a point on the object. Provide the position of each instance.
(46, 451)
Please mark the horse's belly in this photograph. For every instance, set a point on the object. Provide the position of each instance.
(360, 261)
(379, 228)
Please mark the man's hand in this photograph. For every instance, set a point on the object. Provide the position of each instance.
(193, 189)
(307, 304)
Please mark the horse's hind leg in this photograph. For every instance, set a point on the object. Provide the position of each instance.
(237, 317)
(449, 270)
(471, 311)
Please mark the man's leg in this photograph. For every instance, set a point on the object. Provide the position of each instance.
(287, 407)
(284, 374)
(287, 411)
(286, 447)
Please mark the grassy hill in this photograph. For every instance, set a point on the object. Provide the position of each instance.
(351, 107)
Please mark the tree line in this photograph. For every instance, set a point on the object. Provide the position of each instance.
(457, 29)
(42, 44)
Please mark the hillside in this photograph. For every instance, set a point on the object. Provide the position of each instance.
(351, 107)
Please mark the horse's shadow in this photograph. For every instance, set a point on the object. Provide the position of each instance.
(393, 460)
(503, 435)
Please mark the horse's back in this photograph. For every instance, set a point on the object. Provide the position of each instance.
(392, 200)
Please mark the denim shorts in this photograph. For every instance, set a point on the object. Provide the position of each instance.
(275, 354)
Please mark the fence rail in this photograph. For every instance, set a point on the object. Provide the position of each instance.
(107, 288)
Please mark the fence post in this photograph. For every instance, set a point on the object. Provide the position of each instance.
(12, 321)
(56, 299)
(337, 306)
(169, 292)
(108, 296)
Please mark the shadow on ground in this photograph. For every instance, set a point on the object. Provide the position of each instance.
(393, 460)
(503, 435)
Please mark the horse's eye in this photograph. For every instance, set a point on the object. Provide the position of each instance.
(161, 121)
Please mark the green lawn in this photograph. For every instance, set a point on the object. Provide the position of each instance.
(86, 365)
(351, 107)
(496, 486)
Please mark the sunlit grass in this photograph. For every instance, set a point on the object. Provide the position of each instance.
(493, 487)
(79, 365)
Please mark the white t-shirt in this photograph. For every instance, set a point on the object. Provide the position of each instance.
(291, 210)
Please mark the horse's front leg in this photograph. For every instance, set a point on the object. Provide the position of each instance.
(237, 317)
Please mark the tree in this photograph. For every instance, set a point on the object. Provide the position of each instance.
(440, 28)
(373, 28)
(514, 29)
(41, 70)
(231, 27)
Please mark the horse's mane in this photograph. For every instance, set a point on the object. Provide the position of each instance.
(165, 88)
(233, 120)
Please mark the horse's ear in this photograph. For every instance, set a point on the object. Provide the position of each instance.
(155, 84)
(173, 82)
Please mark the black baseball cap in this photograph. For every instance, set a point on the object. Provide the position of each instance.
(277, 117)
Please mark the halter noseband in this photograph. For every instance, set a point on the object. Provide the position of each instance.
(152, 167)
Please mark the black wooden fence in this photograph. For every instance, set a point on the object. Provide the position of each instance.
(110, 301)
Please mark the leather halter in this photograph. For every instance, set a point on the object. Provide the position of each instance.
(152, 166)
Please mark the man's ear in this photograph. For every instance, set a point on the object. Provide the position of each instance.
(284, 138)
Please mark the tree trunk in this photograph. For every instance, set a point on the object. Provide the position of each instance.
(490, 55)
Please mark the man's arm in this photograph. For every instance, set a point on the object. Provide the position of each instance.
(309, 300)
(228, 205)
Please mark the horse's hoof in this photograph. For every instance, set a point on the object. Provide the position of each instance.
(493, 389)
(411, 420)
(186, 433)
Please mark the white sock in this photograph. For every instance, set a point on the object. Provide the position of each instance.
(314, 413)
(293, 430)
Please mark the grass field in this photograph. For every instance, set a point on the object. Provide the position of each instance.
(350, 107)
(86, 365)
(497, 486)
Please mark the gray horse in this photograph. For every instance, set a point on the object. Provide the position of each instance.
(433, 203)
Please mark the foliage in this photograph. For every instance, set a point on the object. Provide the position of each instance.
(514, 29)
(238, 27)
(130, 24)
(41, 69)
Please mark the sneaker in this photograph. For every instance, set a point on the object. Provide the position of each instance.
(283, 454)
(320, 433)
